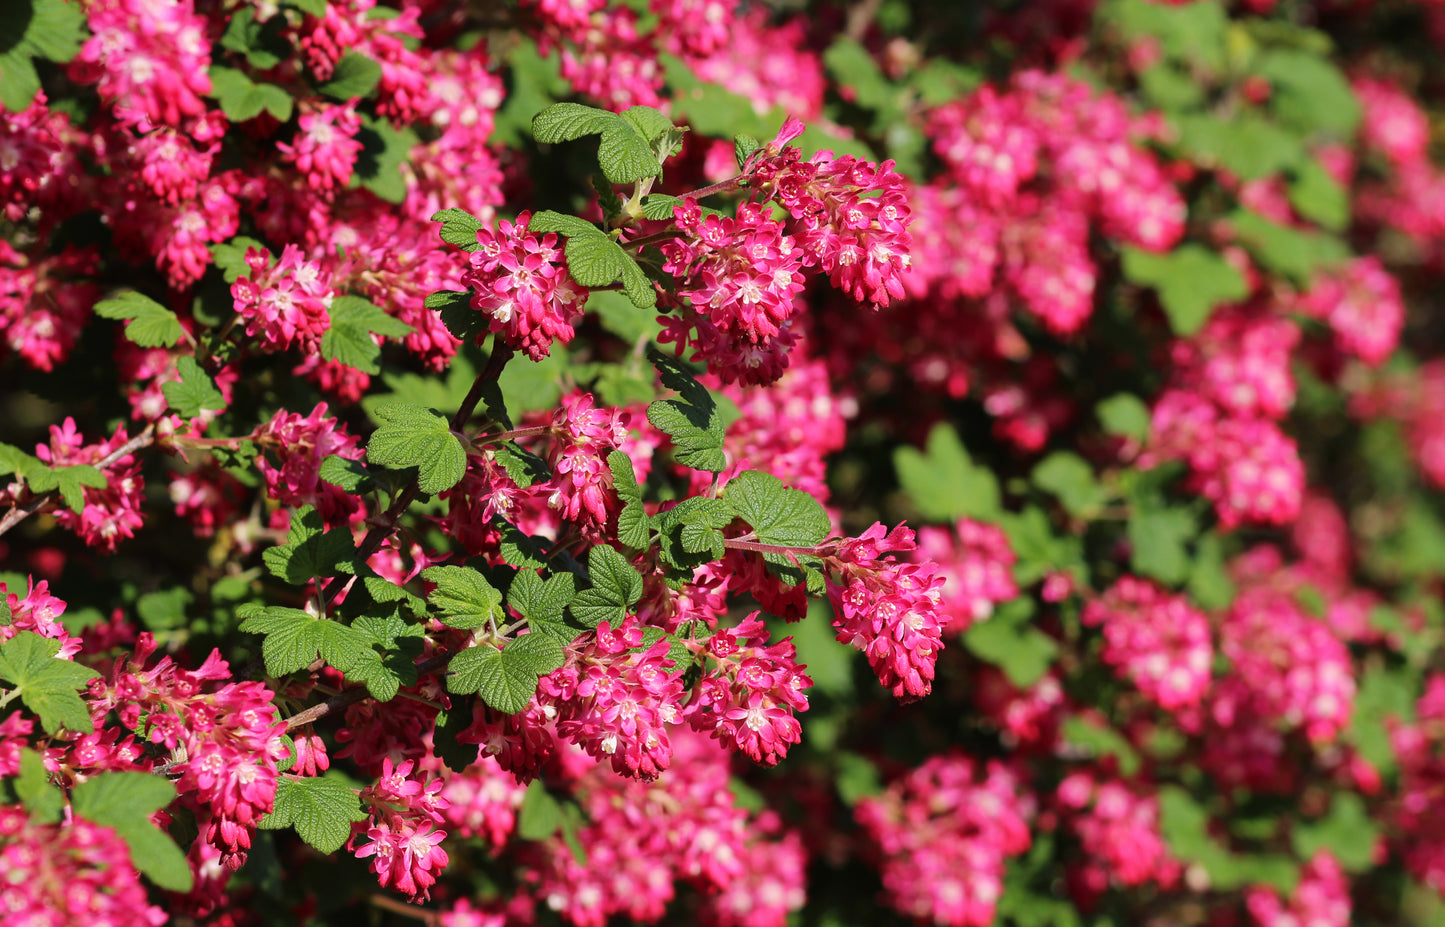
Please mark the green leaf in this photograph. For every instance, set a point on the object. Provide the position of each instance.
(242, 99)
(458, 756)
(1296, 253)
(533, 387)
(343, 473)
(943, 483)
(49, 29)
(691, 531)
(1191, 281)
(311, 553)
(692, 420)
(293, 639)
(14, 460)
(230, 257)
(522, 550)
(68, 481)
(541, 602)
(384, 148)
(46, 683)
(628, 150)
(151, 324)
(1319, 197)
(616, 587)
(1158, 539)
(1040, 551)
(464, 597)
(782, 516)
(1209, 582)
(595, 259)
(355, 75)
(1309, 92)
(321, 809)
(124, 802)
(458, 228)
(1008, 640)
(1124, 414)
(633, 523)
(263, 44)
(33, 787)
(194, 393)
(505, 679)
(1089, 738)
(164, 610)
(858, 76)
(540, 815)
(1346, 831)
(413, 436)
(1069, 476)
(290, 639)
(348, 340)
(1244, 144)
(743, 148)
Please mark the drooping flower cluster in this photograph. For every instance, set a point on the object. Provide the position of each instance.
(889, 609)
(614, 698)
(748, 692)
(1322, 898)
(109, 513)
(37, 611)
(519, 281)
(1156, 640)
(944, 832)
(286, 304)
(299, 444)
(148, 61)
(227, 735)
(1118, 831)
(400, 835)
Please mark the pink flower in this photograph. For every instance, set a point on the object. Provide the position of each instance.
(521, 284)
(284, 305)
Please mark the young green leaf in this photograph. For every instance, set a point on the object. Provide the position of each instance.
(311, 552)
(321, 809)
(540, 815)
(33, 787)
(124, 802)
(68, 481)
(943, 483)
(691, 531)
(150, 324)
(459, 228)
(633, 522)
(594, 258)
(692, 420)
(628, 150)
(242, 99)
(616, 587)
(348, 340)
(782, 516)
(413, 436)
(1158, 537)
(344, 473)
(464, 597)
(743, 148)
(49, 29)
(194, 393)
(1191, 282)
(1124, 414)
(47, 684)
(355, 75)
(541, 602)
(505, 679)
(1070, 477)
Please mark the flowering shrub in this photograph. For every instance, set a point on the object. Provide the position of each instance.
(749, 464)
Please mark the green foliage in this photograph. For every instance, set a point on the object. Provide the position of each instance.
(618, 315)
(151, 325)
(348, 340)
(124, 802)
(594, 258)
(692, 420)
(1159, 539)
(1191, 282)
(230, 258)
(384, 148)
(70, 481)
(459, 228)
(1346, 831)
(1069, 476)
(263, 44)
(464, 597)
(633, 144)
(46, 684)
(616, 587)
(1008, 640)
(542, 602)
(633, 524)
(195, 392)
(540, 815)
(164, 610)
(343, 473)
(242, 99)
(784, 517)
(505, 679)
(1184, 825)
(294, 639)
(413, 436)
(310, 552)
(321, 809)
(1295, 253)
(51, 30)
(33, 787)
(1124, 414)
(943, 483)
(355, 75)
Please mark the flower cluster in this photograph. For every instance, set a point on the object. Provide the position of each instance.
(286, 304)
(519, 281)
(944, 832)
(1154, 639)
(889, 609)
